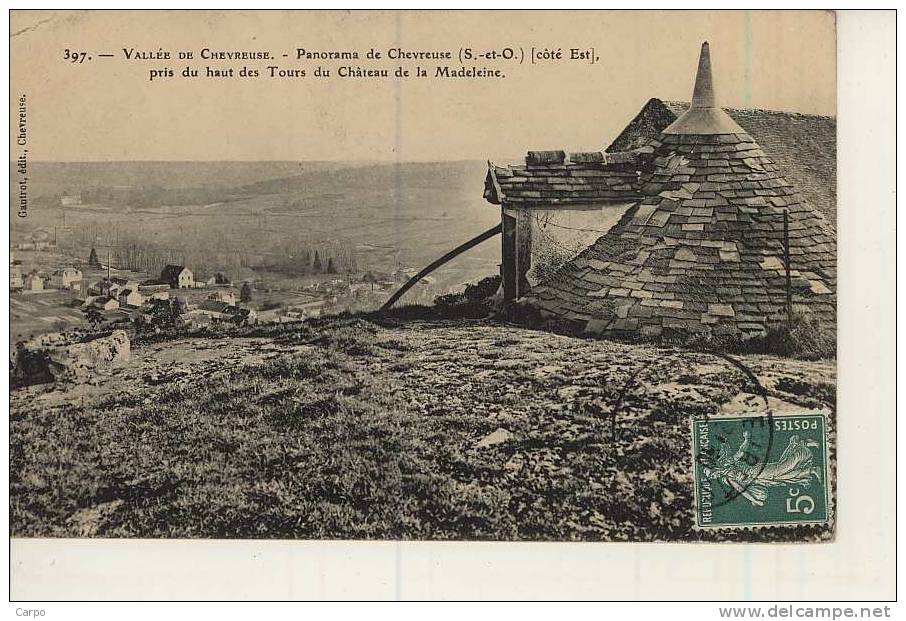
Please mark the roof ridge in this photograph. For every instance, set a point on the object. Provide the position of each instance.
(669, 102)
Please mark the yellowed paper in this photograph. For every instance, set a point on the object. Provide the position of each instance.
(403, 277)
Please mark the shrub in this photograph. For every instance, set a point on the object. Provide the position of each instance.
(804, 336)
(354, 337)
(483, 289)
(475, 302)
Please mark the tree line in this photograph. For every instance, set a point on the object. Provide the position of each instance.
(217, 251)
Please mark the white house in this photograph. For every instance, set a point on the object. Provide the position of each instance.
(67, 278)
(178, 277)
(130, 297)
(224, 295)
(106, 303)
(34, 282)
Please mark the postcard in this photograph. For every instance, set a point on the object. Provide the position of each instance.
(404, 276)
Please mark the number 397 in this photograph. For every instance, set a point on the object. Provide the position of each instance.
(75, 57)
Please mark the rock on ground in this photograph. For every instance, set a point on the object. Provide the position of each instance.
(63, 358)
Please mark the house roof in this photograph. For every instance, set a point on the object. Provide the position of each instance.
(558, 178)
(702, 250)
(214, 306)
(802, 146)
(172, 271)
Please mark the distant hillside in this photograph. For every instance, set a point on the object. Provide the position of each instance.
(390, 176)
(409, 213)
(387, 214)
(55, 178)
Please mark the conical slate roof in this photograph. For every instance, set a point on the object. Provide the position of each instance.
(702, 252)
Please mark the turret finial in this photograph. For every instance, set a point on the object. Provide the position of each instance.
(703, 93)
(704, 116)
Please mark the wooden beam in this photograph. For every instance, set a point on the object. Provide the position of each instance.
(523, 251)
(508, 273)
(516, 252)
(491, 232)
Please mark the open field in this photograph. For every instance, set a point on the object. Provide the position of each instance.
(349, 429)
(41, 312)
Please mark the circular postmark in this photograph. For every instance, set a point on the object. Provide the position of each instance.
(739, 445)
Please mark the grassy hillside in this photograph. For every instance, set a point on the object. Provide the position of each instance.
(350, 429)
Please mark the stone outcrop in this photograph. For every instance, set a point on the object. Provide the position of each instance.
(67, 358)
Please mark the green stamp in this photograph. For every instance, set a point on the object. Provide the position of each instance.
(760, 471)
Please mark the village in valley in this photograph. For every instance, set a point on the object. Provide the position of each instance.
(261, 242)
(54, 292)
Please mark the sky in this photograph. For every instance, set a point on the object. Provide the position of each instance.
(108, 109)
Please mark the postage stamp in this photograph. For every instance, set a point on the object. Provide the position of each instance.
(760, 471)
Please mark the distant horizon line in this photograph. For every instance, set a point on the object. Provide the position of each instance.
(331, 161)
